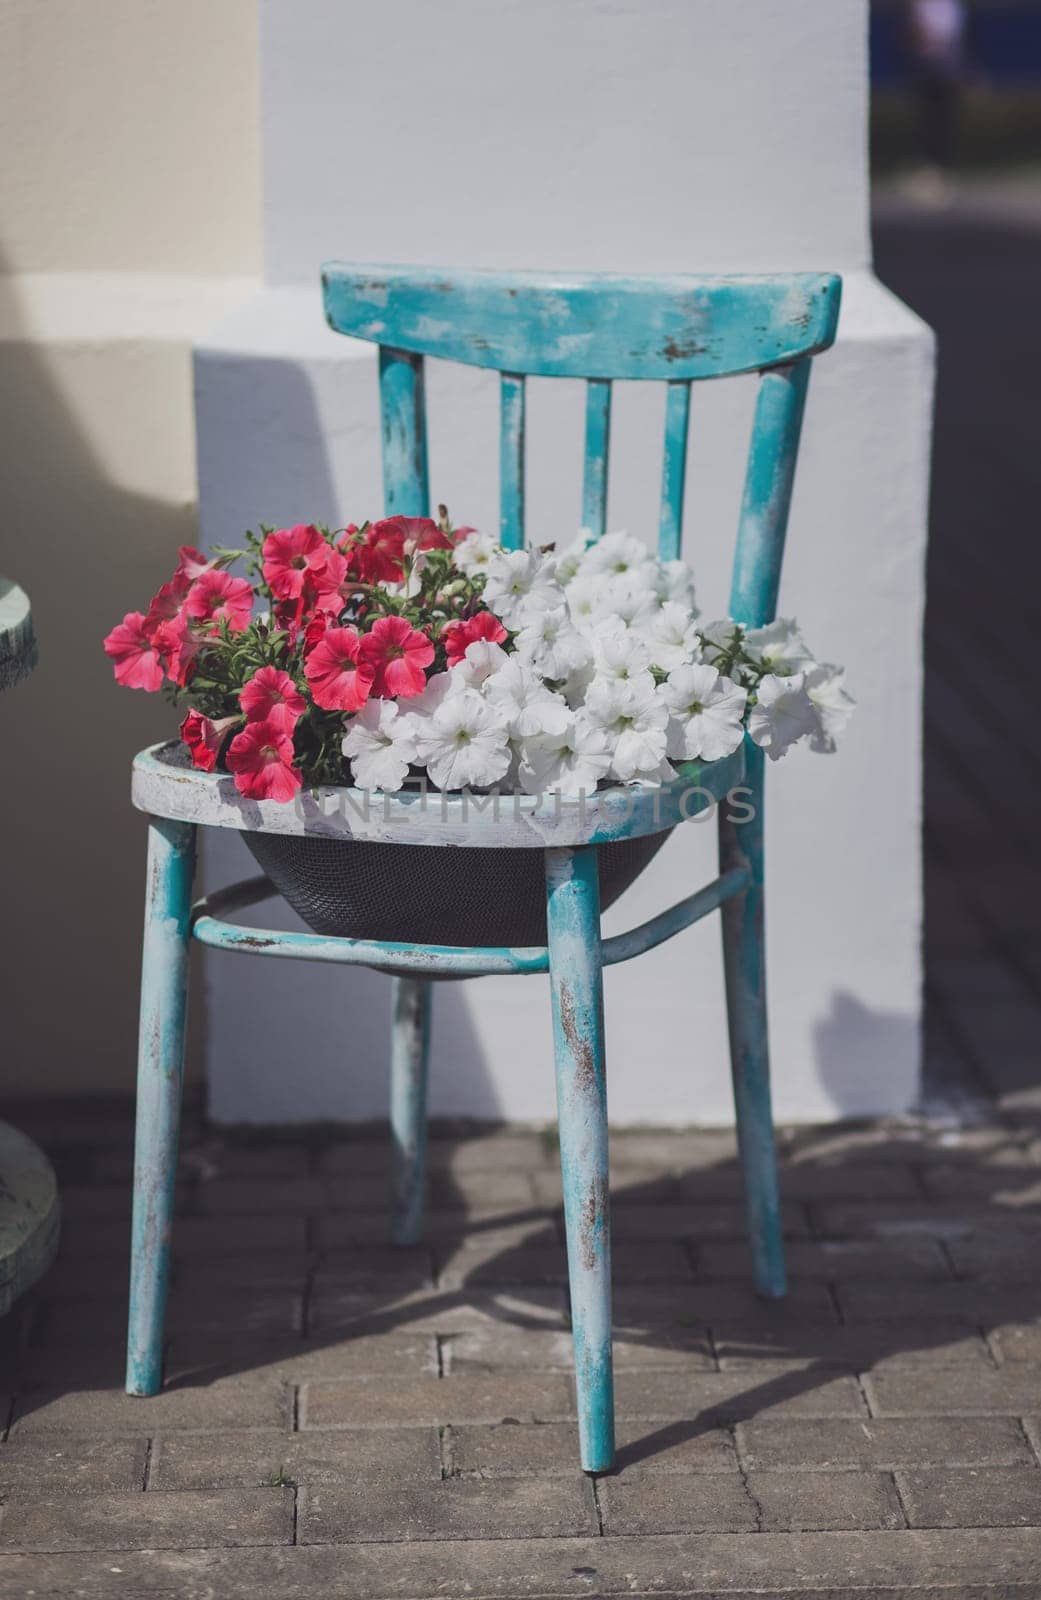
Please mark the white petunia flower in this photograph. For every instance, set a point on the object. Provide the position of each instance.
(473, 554)
(570, 560)
(671, 636)
(583, 597)
(481, 659)
(522, 699)
(521, 582)
(634, 718)
(572, 759)
(380, 746)
(620, 655)
(705, 714)
(782, 714)
(440, 685)
(834, 707)
(719, 638)
(464, 744)
(576, 684)
(779, 646)
(614, 554)
(675, 581)
(627, 597)
(551, 642)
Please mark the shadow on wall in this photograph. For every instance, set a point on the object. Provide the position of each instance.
(86, 549)
(298, 1041)
(854, 1046)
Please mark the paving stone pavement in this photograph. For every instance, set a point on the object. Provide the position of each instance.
(343, 1419)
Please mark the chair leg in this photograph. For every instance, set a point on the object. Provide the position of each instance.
(409, 1063)
(573, 918)
(160, 1065)
(744, 960)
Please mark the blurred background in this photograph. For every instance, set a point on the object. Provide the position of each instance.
(956, 168)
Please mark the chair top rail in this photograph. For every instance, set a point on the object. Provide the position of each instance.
(164, 787)
(598, 325)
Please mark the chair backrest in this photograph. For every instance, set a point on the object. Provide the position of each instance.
(676, 329)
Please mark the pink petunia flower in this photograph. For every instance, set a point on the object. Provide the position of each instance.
(340, 677)
(316, 630)
(191, 563)
(422, 533)
(287, 554)
(168, 601)
(178, 647)
(218, 597)
(135, 659)
(457, 635)
(204, 738)
(378, 556)
(271, 695)
(261, 757)
(398, 654)
(333, 585)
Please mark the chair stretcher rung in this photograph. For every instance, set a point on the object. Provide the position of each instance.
(458, 961)
(624, 946)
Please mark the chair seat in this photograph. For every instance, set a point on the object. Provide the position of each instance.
(165, 785)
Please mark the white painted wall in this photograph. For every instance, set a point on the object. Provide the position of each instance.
(530, 133)
(688, 134)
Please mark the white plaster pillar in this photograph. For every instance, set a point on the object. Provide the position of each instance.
(688, 135)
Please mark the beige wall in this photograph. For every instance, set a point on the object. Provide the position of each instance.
(129, 136)
(129, 222)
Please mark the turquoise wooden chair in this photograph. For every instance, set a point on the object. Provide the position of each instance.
(674, 329)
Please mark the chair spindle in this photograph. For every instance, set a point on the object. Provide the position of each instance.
(511, 461)
(674, 470)
(768, 493)
(598, 444)
(403, 414)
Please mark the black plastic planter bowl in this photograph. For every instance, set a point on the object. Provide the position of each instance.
(429, 894)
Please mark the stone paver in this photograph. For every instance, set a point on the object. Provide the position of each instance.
(1013, 1389)
(809, 1502)
(1017, 1342)
(509, 1508)
(770, 1390)
(265, 1456)
(834, 1259)
(417, 1402)
(237, 1402)
(496, 1349)
(149, 1521)
(985, 1497)
(514, 1450)
(71, 1463)
(713, 1220)
(885, 1442)
(335, 1308)
(656, 1305)
(977, 1564)
(677, 1503)
(297, 1360)
(880, 1347)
